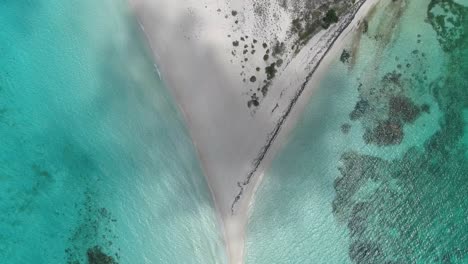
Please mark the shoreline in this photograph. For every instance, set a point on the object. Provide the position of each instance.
(199, 155)
(274, 133)
(228, 150)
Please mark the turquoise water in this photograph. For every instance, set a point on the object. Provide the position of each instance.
(377, 170)
(96, 165)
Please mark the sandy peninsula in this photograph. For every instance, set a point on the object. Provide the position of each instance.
(242, 73)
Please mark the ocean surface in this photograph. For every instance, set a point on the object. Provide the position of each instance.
(377, 169)
(96, 165)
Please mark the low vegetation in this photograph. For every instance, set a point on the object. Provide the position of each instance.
(330, 18)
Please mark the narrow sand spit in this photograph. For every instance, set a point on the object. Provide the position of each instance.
(208, 53)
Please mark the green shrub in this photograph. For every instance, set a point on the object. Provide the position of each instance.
(330, 18)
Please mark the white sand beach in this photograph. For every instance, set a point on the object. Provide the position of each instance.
(211, 55)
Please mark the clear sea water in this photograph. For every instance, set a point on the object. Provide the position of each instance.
(96, 165)
(377, 169)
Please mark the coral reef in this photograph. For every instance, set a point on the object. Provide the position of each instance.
(411, 209)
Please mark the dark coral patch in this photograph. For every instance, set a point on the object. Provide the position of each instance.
(403, 108)
(345, 55)
(357, 169)
(357, 220)
(96, 256)
(425, 108)
(393, 77)
(389, 132)
(360, 109)
(345, 128)
(365, 252)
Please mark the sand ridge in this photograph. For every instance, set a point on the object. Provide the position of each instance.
(207, 53)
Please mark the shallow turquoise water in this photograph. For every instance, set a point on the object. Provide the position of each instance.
(377, 170)
(95, 159)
